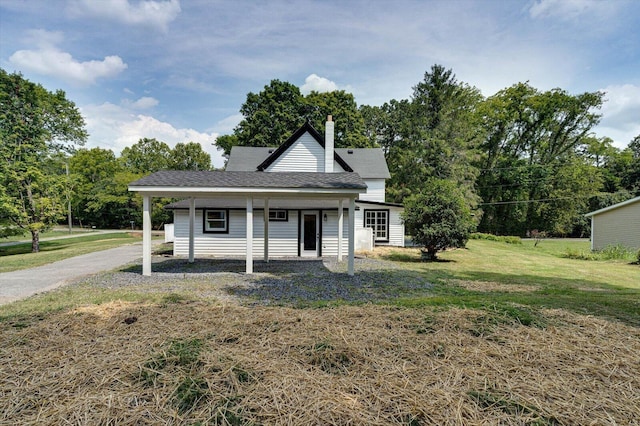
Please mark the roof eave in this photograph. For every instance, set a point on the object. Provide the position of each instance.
(613, 207)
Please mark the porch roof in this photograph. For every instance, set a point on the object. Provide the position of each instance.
(237, 182)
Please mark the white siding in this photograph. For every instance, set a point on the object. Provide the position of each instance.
(330, 233)
(305, 155)
(375, 190)
(283, 236)
(617, 226)
(396, 226)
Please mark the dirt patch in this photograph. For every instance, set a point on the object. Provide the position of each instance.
(185, 362)
(489, 286)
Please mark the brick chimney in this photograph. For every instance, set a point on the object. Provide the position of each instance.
(328, 145)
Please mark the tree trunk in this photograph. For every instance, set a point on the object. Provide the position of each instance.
(428, 254)
(35, 241)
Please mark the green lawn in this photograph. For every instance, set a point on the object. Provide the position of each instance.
(58, 232)
(486, 275)
(494, 274)
(19, 256)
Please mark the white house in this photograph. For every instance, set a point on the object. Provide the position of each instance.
(618, 224)
(304, 198)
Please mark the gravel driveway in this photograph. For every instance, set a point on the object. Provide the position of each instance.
(284, 281)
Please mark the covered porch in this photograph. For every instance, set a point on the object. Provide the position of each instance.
(257, 189)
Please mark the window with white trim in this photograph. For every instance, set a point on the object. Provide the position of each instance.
(278, 216)
(378, 220)
(216, 221)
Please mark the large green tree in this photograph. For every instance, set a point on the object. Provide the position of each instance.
(101, 197)
(36, 127)
(534, 171)
(432, 135)
(148, 155)
(272, 115)
(189, 156)
(349, 124)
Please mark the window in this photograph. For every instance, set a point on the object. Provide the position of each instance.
(278, 216)
(216, 221)
(378, 220)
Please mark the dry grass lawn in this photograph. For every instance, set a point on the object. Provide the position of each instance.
(187, 362)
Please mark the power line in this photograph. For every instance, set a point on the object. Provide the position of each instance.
(542, 200)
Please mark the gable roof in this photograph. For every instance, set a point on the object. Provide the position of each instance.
(613, 207)
(307, 127)
(369, 163)
(247, 158)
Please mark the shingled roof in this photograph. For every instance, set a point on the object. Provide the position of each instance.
(245, 179)
(369, 163)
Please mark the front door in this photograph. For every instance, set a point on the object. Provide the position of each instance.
(310, 234)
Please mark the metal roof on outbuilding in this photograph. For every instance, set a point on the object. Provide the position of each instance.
(613, 207)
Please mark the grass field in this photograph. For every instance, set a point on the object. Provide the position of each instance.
(506, 334)
(57, 232)
(20, 257)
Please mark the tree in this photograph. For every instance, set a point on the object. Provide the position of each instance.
(146, 156)
(438, 217)
(36, 127)
(270, 116)
(434, 135)
(189, 156)
(275, 113)
(532, 138)
(115, 206)
(94, 172)
(349, 124)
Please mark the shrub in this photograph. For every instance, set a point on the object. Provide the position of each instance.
(438, 217)
(501, 238)
(616, 252)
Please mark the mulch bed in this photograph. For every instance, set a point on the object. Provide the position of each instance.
(185, 362)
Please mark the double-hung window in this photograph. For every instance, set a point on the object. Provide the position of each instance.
(378, 220)
(216, 221)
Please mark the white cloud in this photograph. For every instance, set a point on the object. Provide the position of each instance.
(115, 127)
(227, 124)
(318, 84)
(144, 102)
(47, 59)
(620, 114)
(569, 9)
(147, 13)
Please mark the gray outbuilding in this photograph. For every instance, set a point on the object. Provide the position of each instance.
(618, 224)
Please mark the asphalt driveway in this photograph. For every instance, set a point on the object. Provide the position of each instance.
(27, 282)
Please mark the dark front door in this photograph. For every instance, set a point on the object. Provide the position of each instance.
(310, 232)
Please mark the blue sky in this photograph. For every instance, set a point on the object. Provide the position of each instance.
(179, 70)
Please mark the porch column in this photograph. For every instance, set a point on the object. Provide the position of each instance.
(340, 225)
(146, 235)
(249, 237)
(352, 231)
(266, 230)
(192, 221)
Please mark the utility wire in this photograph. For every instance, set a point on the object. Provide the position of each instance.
(542, 200)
